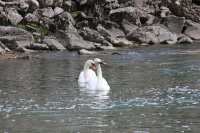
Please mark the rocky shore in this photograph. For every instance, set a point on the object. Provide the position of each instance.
(91, 25)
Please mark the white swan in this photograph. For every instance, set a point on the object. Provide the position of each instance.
(101, 84)
(87, 77)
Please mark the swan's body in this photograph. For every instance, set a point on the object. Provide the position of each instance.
(102, 84)
(87, 77)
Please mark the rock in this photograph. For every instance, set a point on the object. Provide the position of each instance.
(111, 4)
(33, 4)
(86, 52)
(132, 14)
(121, 42)
(24, 6)
(174, 24)
(73, 41)
(31, 18)
(13, 16)
(127, 26)
(46, 3)
(58, 3)
(58, 11)
(48, 12)
(4, 48)
(53, 44)
(93, 36)
(38, 46)
(152, 35)
(185, 39)
(164, 12)
(115, 36)
(192, 30)
(65, 22)
(14, 37)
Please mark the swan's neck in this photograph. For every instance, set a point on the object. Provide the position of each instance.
(86, 67)
(99, 71)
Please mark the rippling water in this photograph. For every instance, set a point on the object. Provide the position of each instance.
(153, 90)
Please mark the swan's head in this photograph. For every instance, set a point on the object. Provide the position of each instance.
(89, 64)
(99, 61)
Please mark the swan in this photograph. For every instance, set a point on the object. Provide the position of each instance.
(87, 77)
(101, 84)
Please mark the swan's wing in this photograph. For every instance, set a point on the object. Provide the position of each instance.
(81, 80)
(102, 84)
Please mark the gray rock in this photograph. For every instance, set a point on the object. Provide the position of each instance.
(58, 3)
(86, 52)
(185, 39)
(53, 44)
(174, 24)
(93, 36)
(13, 16)
(58, 10)
(164, 12)
(48, 12)
(115, 36)
(128, 26)
(152, 35)
(121, 42)
(14, 37)
(192, 30)
(38, 46)
(31, 17)
(73, 41)
(46, 3)
(132, 14)
(33, 4)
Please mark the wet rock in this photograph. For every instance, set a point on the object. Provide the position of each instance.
(14, 37)
(86, 52)
(58, 3)
(38, 46)
(121, 42)
(58, 10)
(53, 44)
(174, 24)
(192, 30)
(3, 48)
(185, 39)
(46, 3)
(152, 35)
(13, 16)
(73, 41)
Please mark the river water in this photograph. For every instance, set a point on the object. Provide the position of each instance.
(153, 90)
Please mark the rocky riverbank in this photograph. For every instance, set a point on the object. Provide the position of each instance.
(90, 25)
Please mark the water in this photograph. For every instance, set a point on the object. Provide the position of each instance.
(153, 90)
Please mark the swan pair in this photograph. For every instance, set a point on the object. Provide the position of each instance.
(88, 78)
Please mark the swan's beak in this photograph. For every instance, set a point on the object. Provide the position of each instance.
(103, 62)
(94, 67)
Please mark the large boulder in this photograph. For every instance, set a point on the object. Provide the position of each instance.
(192, 30)
(114, 35)
(14, 37)
(152, 35)
(93, 36)
(174, 24)
(53, 44)
(73, 41)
